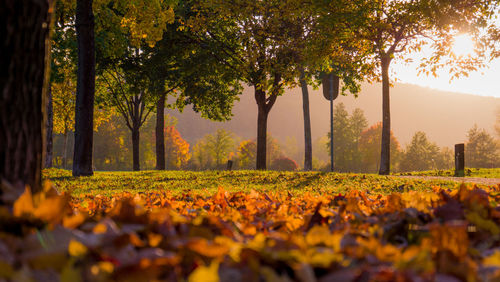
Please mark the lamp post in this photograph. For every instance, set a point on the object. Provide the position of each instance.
(331, 83)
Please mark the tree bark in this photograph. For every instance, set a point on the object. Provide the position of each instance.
(307, 123)
(65, 150)
(385, 152)
(261, 138)
(49, 125)
(85, 89)
(160, 133)
(24, 45)
(135, 148)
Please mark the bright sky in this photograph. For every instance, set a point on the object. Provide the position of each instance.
(485, 82)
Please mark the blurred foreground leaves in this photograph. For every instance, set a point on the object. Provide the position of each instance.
(273, 236)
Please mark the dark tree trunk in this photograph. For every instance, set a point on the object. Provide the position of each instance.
(160, 133)
(135, 148)
(307, 123)
(85, 88)
(65, 150)
(261, 138)
(24, 49)
(385, 152)
(49, 125)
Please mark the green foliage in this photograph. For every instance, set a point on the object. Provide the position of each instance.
(246, 155)
(481, 150)
(220, 144)
(346, 135)
(420, 154)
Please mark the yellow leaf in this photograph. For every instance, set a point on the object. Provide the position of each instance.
(76, 249)
(202, 247)
(205, 273)
(100, 228)
(106, 266)
(73, 221)
(493, 260)
(24, 204)
(154, 239)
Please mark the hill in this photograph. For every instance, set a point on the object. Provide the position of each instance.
(444, 116)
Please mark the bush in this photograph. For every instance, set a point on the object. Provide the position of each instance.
(284, 163)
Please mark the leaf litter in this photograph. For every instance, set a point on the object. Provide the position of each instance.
(442, 234)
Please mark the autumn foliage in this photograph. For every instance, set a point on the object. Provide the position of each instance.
(441, 234)
(176, 149)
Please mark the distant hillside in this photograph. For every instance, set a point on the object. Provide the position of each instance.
(444, 116)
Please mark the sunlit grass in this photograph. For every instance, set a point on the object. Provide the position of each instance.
(208, 182)
(469, 172)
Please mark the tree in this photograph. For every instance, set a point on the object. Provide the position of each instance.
(49, 126)
(481, 149)
(420, 154)
(307, 123)
(132, 101)
(346, 134)
(176, 149)
(369, 145)
(395, 27)
(263, 54)
(357, 124)
(24, 44)
(85, 89)
(220, 144)
(246, 154)
(64, 107)
(201, 155)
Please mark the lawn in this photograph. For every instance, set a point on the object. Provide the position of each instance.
(469, 172)
(208, 182)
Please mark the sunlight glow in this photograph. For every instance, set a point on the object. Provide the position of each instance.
(463, 45)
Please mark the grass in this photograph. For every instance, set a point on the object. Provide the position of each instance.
(469, 172)
(208, 182)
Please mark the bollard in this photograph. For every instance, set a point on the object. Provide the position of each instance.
(459, 160)
(229, 165)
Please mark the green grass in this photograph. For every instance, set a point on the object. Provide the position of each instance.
(469, 172)
(207, 182)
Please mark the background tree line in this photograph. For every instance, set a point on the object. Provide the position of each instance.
(357, 148)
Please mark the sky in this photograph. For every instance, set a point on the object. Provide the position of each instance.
(484, 82)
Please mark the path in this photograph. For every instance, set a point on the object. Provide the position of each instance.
(477, 180)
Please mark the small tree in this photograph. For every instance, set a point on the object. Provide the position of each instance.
(369, 145)
(220, 144)
(346, 134)
(246, 154)
(420, 154)
(201, 155)
(481, 149)
(176, 149)
(63, 97)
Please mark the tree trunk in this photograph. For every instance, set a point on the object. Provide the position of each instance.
(85, 88)
(307, 123)
(65, 150)
(49, 125)
(385, 152)
(261, 137)
(24, 45)
(160, 133)
(135, 148)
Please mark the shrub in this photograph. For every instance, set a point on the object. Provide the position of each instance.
(284, 163)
